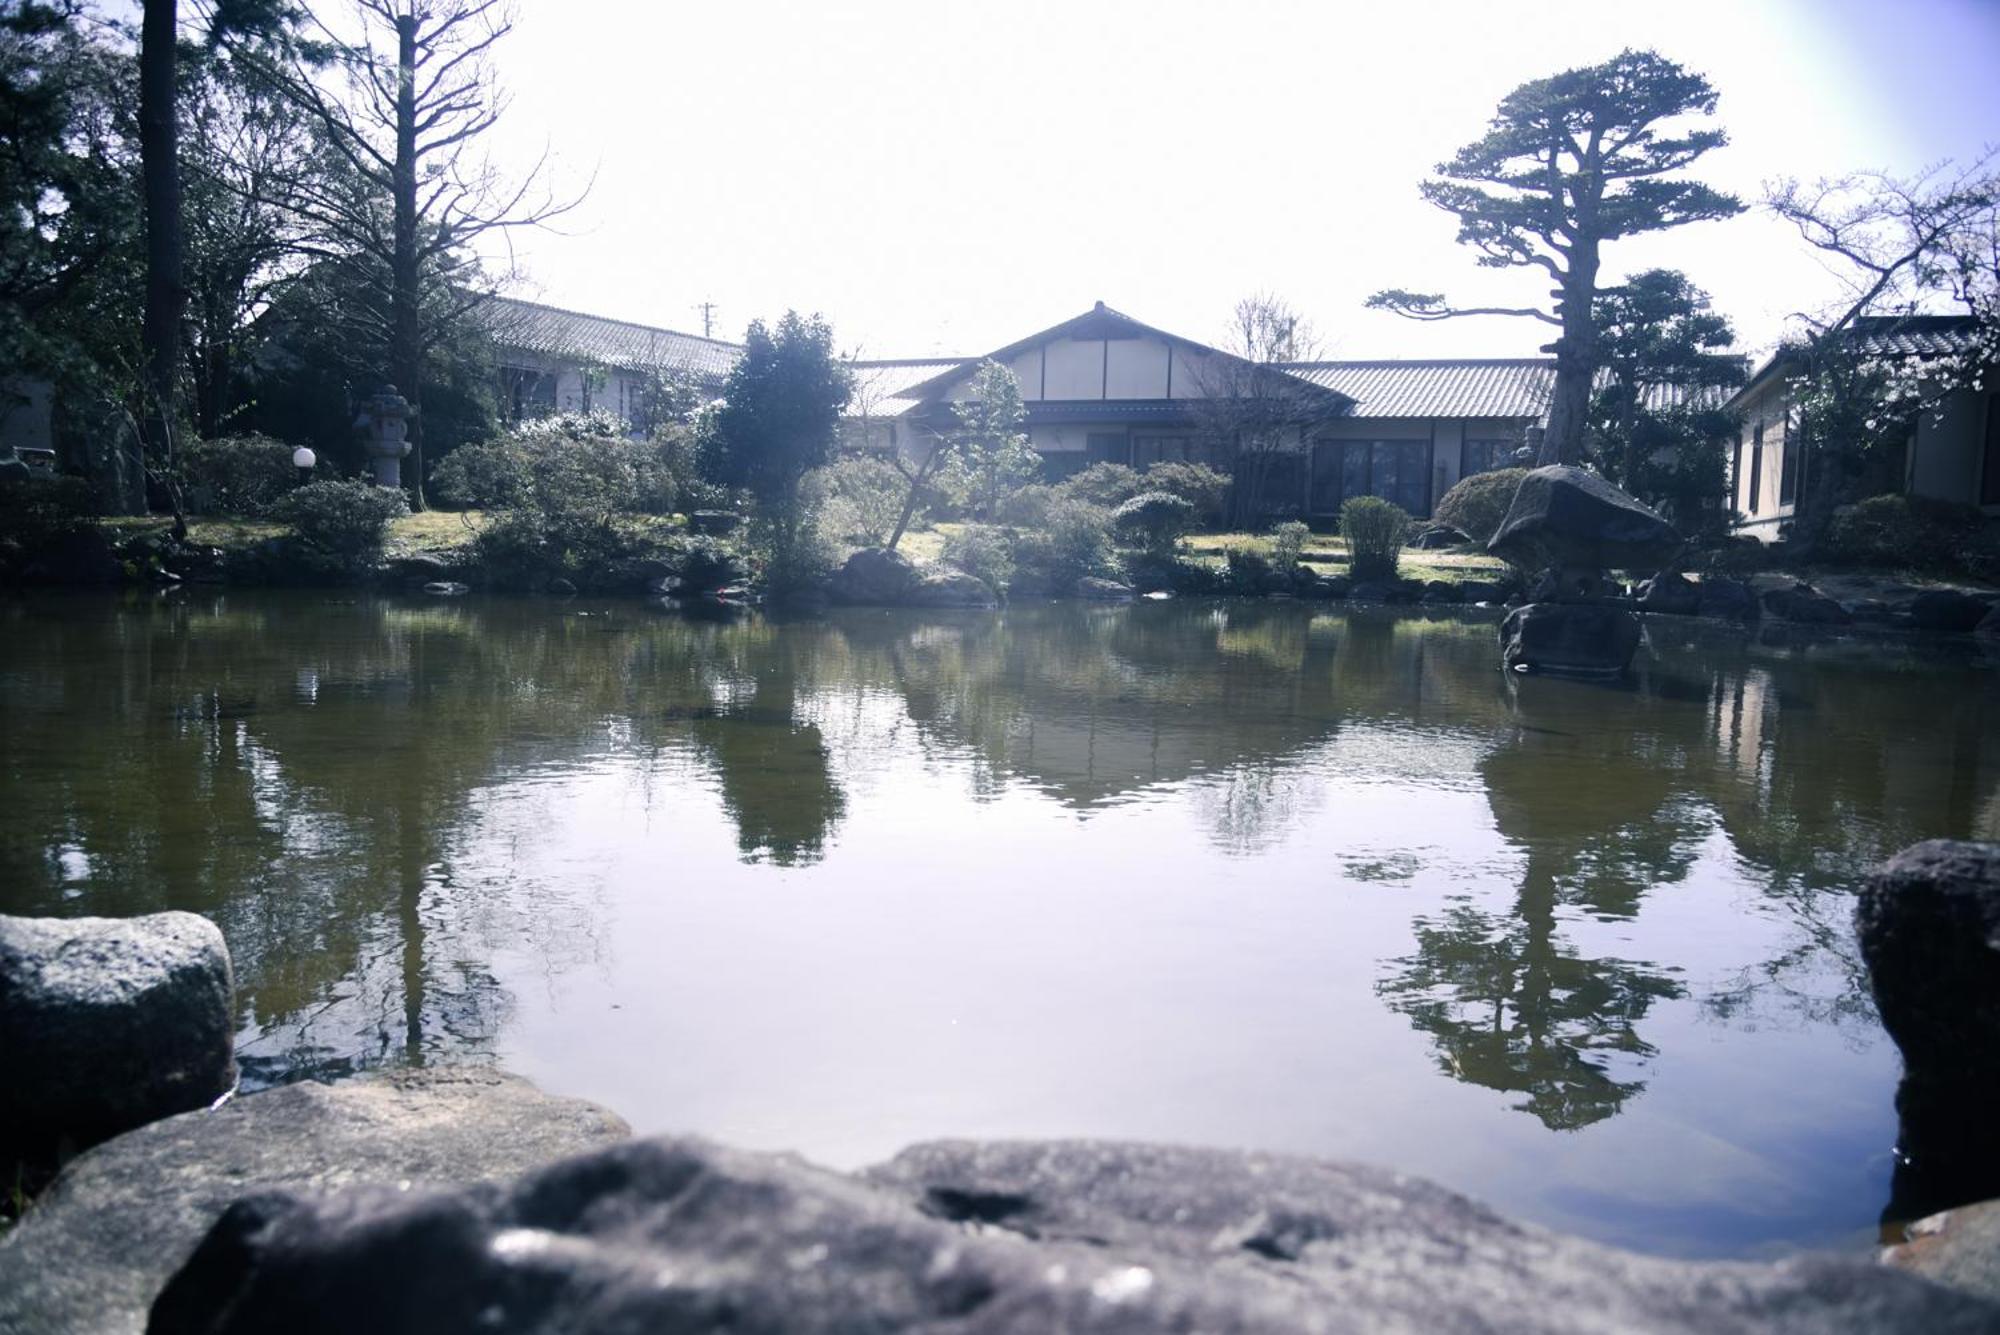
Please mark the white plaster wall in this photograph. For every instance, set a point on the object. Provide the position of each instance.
(1075, 369)
(1136, 368)
(1027, 368)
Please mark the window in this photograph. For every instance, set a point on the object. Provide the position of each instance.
(1107, 447)
(1483, 456)
(1989, 479)
(1788, 466)
(1756, 469)
(1395, 470)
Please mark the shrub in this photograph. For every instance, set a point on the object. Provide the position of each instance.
(1154, 520)
(1476, 505)
(237, 475)
(570, 465)
(1206, 489)
(40, 517)
(1109, 485)
(1374, 529)
(485, 475)
(984, 552)
(1908, 532)
(1030, 506)
(342, 524)
(1149, 572)
(1288, 543)
(1072, 540)
(864, 499)
(1245, 570)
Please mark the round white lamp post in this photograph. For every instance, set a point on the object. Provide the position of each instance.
(303, 459)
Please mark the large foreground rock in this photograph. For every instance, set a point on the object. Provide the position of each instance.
(1569, 639)
(679, 1236)
(1670, 592)
(91, 1253)
(949, 588)
(1805, 605)
(1929, 927)
(109, 1023)
(1564, 517)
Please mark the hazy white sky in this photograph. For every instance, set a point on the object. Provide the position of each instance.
(944, 178)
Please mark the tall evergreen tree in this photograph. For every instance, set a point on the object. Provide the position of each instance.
(1567, 164)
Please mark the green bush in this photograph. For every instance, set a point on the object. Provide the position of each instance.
(1910, 533)
(864, 499)
(39, 517)
(341, 524)
(1477, 505)
(1149, 572)
(1109, 485)
(1030, 506)
(1206, 489)
(237, 475)
(1245, 571)
(574, 464)
(1153, 520)
(984, 552)
(492, 474)
(1072, 539)
(1288, 543)
(1375, 530)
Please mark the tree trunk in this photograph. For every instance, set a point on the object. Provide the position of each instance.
(166, 293)
(405, 333)
(1576, 362)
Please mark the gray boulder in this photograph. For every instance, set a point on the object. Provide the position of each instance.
(1567, 518)
(447, 588)
(1097, 589)
(1728, 599)
(110, 1023)
(1442, 591)
(1569, 639)
(1805, 605)
(666, 1236)
(1946, 610)
(1928, 922)
(1670, 592)
(949, 588)
(95, 1249)
(1957, 1248)
(873, 577)
(418, 568)
(1482, 590)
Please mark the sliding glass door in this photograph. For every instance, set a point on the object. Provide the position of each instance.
(1395, 470)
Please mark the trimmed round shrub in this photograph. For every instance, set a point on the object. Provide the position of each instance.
(1153, 520)
(237, 475)
(342, 523)
(1375, 530)
(1073, 539)
(864, 499)
(1906, 533)
(1203, 487)
(1109, 485)
(982, 551)
(1288, 543)
(485, 475)
(1477, 505)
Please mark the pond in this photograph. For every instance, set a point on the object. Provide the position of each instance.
(1268, 875)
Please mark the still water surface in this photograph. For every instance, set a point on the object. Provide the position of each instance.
(1258, 875)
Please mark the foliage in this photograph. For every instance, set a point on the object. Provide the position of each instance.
(1375, 531)
(1246, 570)
(1150, 571)
(1288, 542)
(342, 523)
(984, 551)
(988, 453)
(1109, 485)
(1253, 407)
(1029, 507)
(1072, 539)
(1477, 505)
(864, 499)
(1205, 488)
(1154, 521)
(40, 511)
(780, 410)
(492, 474)
(238, 475)
(1567, 164)
(1660, 338)
(1918, 533)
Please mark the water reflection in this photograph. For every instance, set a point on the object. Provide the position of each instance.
(418, 823)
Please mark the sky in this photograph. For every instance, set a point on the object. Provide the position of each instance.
(942, 178)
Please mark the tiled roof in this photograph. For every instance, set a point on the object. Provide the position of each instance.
(571, 335)
(879, 385)
(1484, 387)
(1914, 335)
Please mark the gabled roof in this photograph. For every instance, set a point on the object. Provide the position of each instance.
(1100, 321)
(551, 331)
(881, 388)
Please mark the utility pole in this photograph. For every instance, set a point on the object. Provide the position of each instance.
(707, 309)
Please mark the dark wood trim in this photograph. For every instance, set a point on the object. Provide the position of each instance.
(1045, 373)
(1431, 469)
(1104, 384)
(1170, 370)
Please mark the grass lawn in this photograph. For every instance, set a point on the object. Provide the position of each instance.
(1327, 553)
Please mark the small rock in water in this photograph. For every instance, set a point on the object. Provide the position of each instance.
(446, 588)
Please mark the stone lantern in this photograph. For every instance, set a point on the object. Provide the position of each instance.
(385, 422)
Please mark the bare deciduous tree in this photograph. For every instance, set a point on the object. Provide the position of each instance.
(1251, 409)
